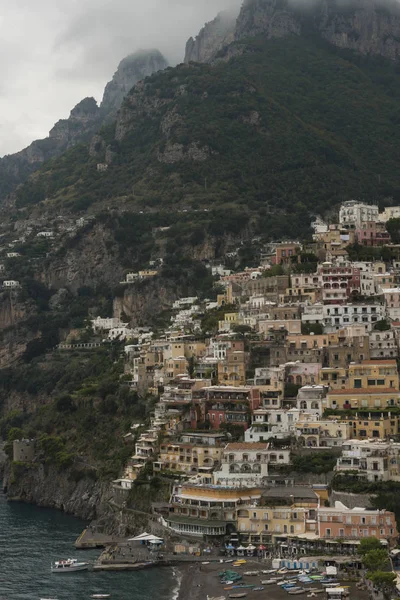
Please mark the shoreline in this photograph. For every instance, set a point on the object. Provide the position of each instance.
(200, 581)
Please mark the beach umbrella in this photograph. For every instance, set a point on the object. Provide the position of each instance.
(251, 547)
(261, 547)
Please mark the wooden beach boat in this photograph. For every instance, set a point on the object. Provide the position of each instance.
(296, 592)
(237, 595)
(251, 573)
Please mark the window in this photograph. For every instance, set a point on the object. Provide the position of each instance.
(328, 533)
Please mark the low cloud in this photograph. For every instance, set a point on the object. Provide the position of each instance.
(56, 52)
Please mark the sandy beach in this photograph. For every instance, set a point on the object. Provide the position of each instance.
(200, 581)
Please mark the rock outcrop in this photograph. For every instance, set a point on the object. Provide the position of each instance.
(365, 26)
(131, 69)
(215, 35)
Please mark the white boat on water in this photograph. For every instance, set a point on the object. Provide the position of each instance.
(100, 595)
(71, 565)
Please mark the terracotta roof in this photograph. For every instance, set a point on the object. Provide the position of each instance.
(247, 446)
(356, 391)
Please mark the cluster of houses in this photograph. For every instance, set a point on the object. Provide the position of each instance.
(304, 354)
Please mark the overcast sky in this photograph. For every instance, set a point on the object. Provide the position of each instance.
(56, 52)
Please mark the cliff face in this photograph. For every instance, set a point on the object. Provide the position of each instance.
(131, 69)
(215, 35)
(366, 26)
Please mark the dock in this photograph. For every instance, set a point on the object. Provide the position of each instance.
(90, 539)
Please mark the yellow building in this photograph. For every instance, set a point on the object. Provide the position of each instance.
(175, 366)
(188, 458)
(322, 434)
(373, 425)
(353, 399)
(230, 319)
(201, 509)
(282, 512)
(232, 369)
(335, 377)
(376, 374)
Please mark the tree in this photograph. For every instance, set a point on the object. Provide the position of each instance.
(393, 228)
(368, 544)
(15, 433)
(376, 560)
(382, 325)
(65, 404)
(384, 580)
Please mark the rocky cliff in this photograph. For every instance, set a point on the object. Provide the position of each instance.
(366, 26)
(215, 35)
(131, 69)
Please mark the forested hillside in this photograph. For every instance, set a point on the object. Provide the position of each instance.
(290, 125)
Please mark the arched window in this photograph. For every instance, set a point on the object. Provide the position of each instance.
(303, 405)
(298, 380)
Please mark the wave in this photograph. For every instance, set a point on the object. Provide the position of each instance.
(178, 581)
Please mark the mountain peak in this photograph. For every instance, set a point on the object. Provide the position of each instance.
(131, 69)
(213, 36)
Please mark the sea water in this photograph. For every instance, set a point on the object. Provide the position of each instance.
(31, 538)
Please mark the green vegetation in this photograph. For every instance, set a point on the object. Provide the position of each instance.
(85, 414)
(385, 493)
(288, 127)
(368, 544)
(320, 462)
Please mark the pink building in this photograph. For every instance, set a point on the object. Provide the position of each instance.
(338, 282)
(372, 234)
(353, 524)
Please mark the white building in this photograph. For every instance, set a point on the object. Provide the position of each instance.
(373, 460)
(245, 464)
(383, 344)
(182, 302)
(354, 213)
(13, 254)
(272, 423)
(313, 314)
(11, 284)
(121, 333)
(337, 316)
(390, 212)
(310, 399)
(45, 234)
(106, 324)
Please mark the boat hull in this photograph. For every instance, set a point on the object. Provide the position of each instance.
(73, 569)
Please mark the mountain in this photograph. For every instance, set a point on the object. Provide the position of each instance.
(85, 119)
(289, 124)
(131, 69)
(366, 26)
(213, 37)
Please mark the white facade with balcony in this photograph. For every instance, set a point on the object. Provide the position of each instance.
(337, 316)
(354, 213)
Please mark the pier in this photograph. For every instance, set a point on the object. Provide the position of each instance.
(90, 539)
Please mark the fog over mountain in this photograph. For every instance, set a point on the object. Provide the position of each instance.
(57, 52)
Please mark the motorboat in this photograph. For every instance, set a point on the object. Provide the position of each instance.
(269, 572)
(258, 589)
(71, 565)
(251, 573)
(99, 596)
(297, 591)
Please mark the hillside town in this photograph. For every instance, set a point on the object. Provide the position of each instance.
(296, 357)
(284, 382)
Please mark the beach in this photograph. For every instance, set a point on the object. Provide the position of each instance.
(202, 580)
